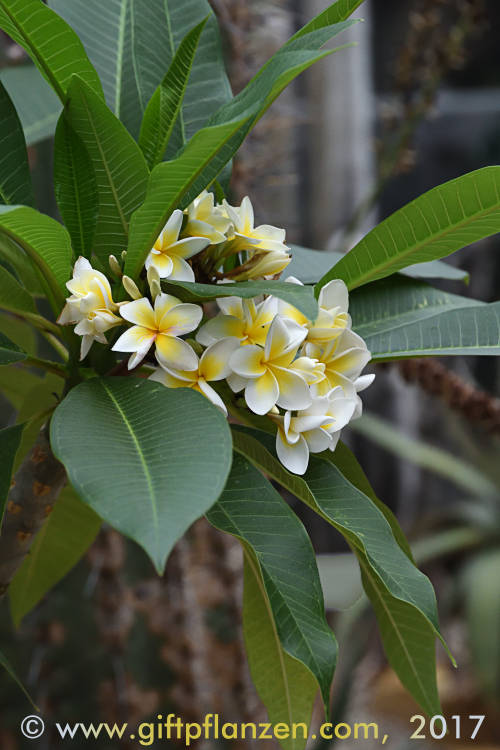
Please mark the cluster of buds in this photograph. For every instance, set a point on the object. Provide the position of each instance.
(304, 375)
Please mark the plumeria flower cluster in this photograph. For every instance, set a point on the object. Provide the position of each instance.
(305, 376)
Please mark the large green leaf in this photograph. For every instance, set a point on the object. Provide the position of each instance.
(252, 510)
(149, 460)
(44, 241)
(10, 438)
(36, 104)
(433, 226)
(406, 318)
(15, 179)
(13, 296)
(334, 13)
(119, 166)
(38, 403)
(175, 184)
(16, 260)
(63, 539)
(165, 105)
(310, 265)
(301, 297)
(20, 332)
(50, 42)
(15, 384)
(75, 187)
(9, 352)
(132, 44)
(208, 87)
(402, 596)
(286, 687)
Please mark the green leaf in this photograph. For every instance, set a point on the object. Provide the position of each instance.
(38, 402)
(301, 297)
(10, 438)
(433, 226)
(481, 594)
(165, 105)
(20, 332)
(50, 42)
(286, 687)
(405, 318)
(13, 296)
(75, 187)
(252, 510)
(310, 265)
(175, 184)
(401, 595)
(37, 105)
(142, 456)
(208, 87)
(120, 170)
(62, 541)
(44, 240)
(335, 13)
(15, 259)
(9, 669)
(15, 178)
(9, 352)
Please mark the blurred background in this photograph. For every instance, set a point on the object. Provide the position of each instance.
(415, 103)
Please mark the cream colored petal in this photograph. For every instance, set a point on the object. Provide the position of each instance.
(350, 363)
(363, 382)
(181, 319)
(236, 382)
(231, 306)
(294, 392)
(134, 339)
(175, 353)
(163, 304)
(87, 342)
(198, 228)
(214, 362)
(181, 270)
(317, 440)
(261, 393)
(220, 327)
(248, 361)
(294, 457)
(161, 262)
(334, 294)
(246, 214)
(170, 231)
(168, 379)
(140, 312)
(81, 265)
(188, 247)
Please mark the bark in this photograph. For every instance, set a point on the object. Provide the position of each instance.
(32, 495)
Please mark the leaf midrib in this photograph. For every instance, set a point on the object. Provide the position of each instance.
(142, 458)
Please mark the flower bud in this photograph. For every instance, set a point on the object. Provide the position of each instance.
(131, 288)
(115, 266)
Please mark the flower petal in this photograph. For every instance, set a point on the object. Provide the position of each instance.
(293, 457)
(181, 319)
(220, 327)
(214, 362)
(175, 353)
(212, 395)
(248, 361)
(236, 382)
(188, 247)
(294, 392)
(317, 439)
(134, 339)
(334, 294)
(140, 312)
(261, 393)
(170, 231)
(181, 270)
(162, 262)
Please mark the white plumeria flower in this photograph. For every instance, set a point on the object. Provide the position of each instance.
(244, 319)
(213, 365)
(344, 359)
(312, 430)
(333, 318)
(169, 253)
(265, 373)
(312, 370)
(249, 237)
(162, 326)
(205, 219)
(90, 305)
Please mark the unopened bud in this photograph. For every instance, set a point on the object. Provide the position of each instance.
(131, 288)
(123, 255)
(154, 282)
(115, 266)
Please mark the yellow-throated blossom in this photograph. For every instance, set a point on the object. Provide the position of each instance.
(90, 305)
(245, 319)
(213, 365)
(312, 430)
(162, 326)
(265, 373)
(205, 219)
(264, 265)
(169, 253)
(333, 318)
